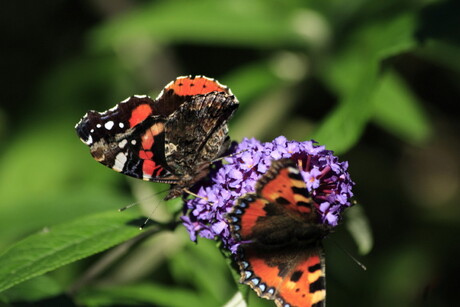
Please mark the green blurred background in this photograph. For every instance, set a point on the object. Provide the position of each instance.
(376, 81)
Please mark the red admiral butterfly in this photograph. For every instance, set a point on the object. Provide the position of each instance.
(172, 139)
(280, 254)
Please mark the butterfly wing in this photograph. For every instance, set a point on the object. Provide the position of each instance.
(295, 277)
(283, 184)
(280, 254)
(183, 89)
(196, 134)
(128, 138)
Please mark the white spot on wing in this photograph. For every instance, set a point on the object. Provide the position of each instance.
(98, 126)
(123, 143)
(89, 141)
(108, 125)
(247, 274)
(120, 161)
(121, 125)
(262, 287)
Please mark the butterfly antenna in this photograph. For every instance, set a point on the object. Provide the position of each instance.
(362, 266)
(148, 218)
(140, 201)
(129, 206)
(196, 195)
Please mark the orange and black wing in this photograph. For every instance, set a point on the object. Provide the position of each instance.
(160, 140)
(283, 184)
(129, 138)
(280, 253)
(290, 279)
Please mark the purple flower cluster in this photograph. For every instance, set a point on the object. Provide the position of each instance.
(326, 178)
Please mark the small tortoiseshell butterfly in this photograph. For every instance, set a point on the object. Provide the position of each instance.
(171, 139)
(280, 253)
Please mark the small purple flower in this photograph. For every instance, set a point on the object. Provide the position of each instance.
(326, 179)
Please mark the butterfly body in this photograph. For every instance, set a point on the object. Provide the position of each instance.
(171, 139)
(280, 254)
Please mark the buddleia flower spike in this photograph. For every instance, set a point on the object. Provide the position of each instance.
(326, 179)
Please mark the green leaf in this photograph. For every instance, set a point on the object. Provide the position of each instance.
(236, 300)
(343, 127)
(202, 265)
(35, 289)
(392, 36)
(442, 54)
(399, 112)
(359, 228)
(354, 75)
(234, 23)
(64, 182)
(153, 294)
(59, 245)
(367, 47)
